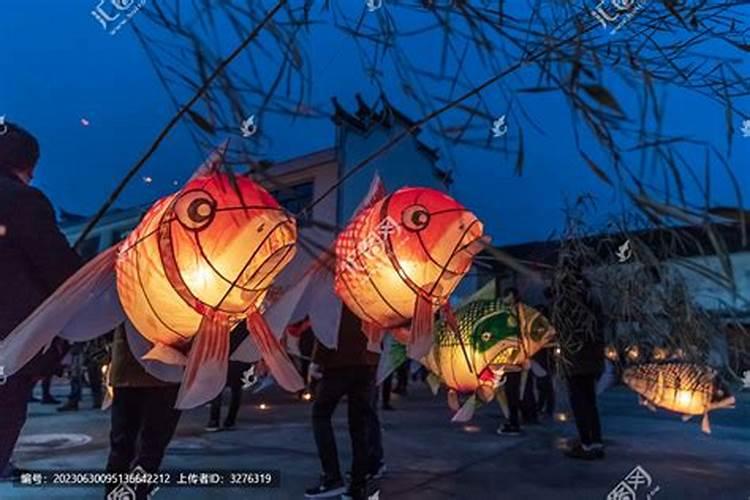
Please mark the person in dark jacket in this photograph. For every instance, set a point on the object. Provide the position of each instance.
(349, 370)
(35, 258)
(580, 327)
(143, 415)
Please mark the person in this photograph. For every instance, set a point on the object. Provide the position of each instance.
(386, 392)
(82, 358)
(544, 385)
(580, 326)
(235, 381)
(512, 387)
(402, 378)
(35, 258)
(143, 417)
(349, 370)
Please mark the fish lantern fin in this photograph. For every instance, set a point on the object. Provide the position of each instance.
(434, 383)
(373, 332)
(279, 364)
(421, 329)
(206, 371)
(486, 392)
(685, 418)
(166, 354)
(650, 406)
(705, 424)
(84, 307)
(467, 410)
(453, 402)
(213, 162)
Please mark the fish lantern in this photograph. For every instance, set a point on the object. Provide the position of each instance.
(399, 260)
(685, 388)
(610, 352)
(485, 339)
(199, 262)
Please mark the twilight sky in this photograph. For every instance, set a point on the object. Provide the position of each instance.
(59, 67)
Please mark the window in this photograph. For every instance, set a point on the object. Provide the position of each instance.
(295, 198)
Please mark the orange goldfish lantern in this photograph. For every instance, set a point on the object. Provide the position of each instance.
(400, 259)
(200, 261)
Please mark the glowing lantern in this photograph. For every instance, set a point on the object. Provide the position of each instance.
(633, 352)
(610, 352)
(485, 339)
(199, 262)
(684, 388)
(660, 354)
(400, 259)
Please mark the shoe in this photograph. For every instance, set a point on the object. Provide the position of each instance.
(509, 430)
(581, 453)
(326, 489)
(229, 425)
(69, 406)
(49, 400)
(213, 426)
(370, 491)
(376, 474)
(388, 407)
(598, 449)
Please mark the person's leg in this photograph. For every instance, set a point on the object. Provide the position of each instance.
(595, 429)
(95, 380)
(402, 377)
(375, 432)
(513, 393)
(528, 401)
(330, 388)
(361, 418)
(160, 420)
(14, 395)
(76, 375)
(579, 404)
(386, 393)
(127, 414)
(215, 412)
(234, 403)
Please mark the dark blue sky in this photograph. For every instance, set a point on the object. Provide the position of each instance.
(58, 66)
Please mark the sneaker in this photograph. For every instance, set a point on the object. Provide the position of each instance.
(229, 425)
(326, 489)
(509, 430)
(376, 474)
(369, 492)
(598, 449)
(213, 426)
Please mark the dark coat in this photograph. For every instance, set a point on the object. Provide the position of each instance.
(582, 331)
(351, 349)
(35, 257)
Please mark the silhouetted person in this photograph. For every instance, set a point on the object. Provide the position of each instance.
(143, 415)
(512, 387)
(349, 370)
(80, 362)
(582, 344)
(35, 258)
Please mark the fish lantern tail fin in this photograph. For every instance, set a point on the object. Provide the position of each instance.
(434, 382)
(421, 329)
(705, 424)
(207, 364)
(279, 364)
(467, 410)
(453, 402)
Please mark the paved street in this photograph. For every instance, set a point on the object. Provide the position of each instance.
(427, 456)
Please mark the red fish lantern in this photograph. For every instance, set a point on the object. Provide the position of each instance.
(400, 259)
(199, 262)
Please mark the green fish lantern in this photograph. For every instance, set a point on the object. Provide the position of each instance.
(482, 341)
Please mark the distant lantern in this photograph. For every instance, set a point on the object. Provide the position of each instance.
(633, 353)
(610, 352)
(199, 262)
(685, 388)
(400, 259)
(481, 342)
(659, 354)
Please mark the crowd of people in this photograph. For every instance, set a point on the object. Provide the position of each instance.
(35, 258)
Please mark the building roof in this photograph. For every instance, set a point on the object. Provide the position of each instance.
(665, 243)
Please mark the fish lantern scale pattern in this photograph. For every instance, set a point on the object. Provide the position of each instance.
(402, 256)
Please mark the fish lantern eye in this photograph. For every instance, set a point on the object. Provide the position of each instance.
(415, 218)
(195, 209)
(486, 336)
